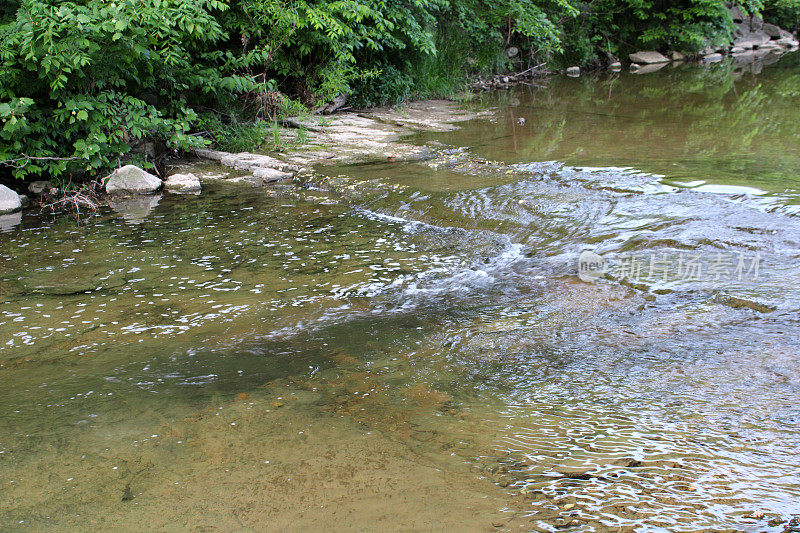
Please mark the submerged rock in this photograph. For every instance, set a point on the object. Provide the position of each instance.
(648, 57)
(131, 179)
(9, 201)
(183, 184)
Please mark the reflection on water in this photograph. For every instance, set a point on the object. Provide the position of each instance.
(717, 124)
(420, 353)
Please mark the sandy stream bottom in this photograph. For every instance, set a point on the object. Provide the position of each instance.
(271, 460)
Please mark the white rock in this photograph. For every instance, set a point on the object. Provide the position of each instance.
(271, 174)
(574, 71)
(9, 201)
(647, 57)
(183, 184)
(131, 179)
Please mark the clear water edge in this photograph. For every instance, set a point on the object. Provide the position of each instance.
(421, 354)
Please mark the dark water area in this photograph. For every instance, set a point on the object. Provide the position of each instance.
(416, 345)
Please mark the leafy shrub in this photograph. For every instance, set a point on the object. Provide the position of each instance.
(784, 13)
(84, 80)
(81, 81)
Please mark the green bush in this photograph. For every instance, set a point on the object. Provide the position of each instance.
(622, 26)
(85, 80)
(784, 13)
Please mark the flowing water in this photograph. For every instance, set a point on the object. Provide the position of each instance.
(413, 346)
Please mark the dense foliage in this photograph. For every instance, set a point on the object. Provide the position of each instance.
(86, 82)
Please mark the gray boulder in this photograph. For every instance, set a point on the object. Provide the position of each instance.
(9, 201)
(38, 187)
(751, 40)
(647, 57)
(574, 71)
(131, 179)
(756, 22)
(677, 56)
(772, 30)
(738, 15)
(786, 40)
(183, 184)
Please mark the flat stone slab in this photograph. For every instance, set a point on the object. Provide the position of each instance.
(254, 163)
(647, 57)
(348, 137)
(425, 115)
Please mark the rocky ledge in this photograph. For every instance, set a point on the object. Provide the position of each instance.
(752, 40)
(346, 137)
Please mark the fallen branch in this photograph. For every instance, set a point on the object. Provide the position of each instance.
(28, 158)
(75, 200)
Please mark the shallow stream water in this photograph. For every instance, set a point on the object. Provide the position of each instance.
(413, 346)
